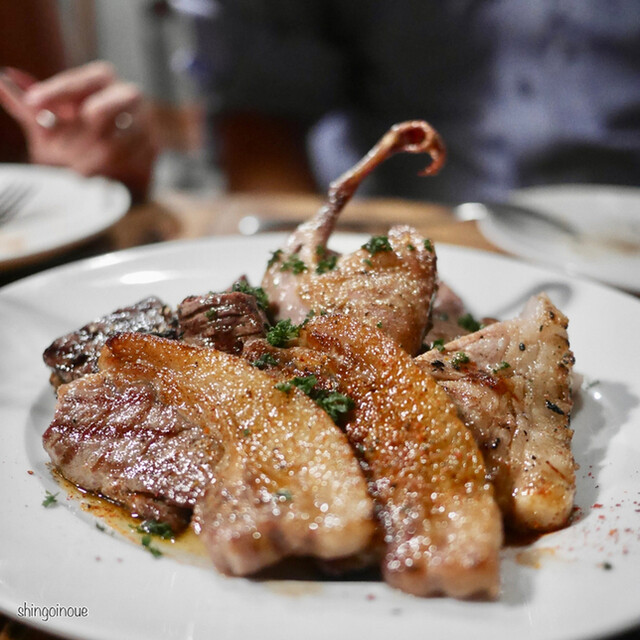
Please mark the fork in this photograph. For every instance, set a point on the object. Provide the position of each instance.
(12, 199)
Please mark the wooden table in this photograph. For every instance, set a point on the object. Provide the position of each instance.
(174, 215)
(180, 215)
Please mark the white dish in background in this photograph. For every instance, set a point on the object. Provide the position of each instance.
(581, 582)
(63, 208)
(607, 218)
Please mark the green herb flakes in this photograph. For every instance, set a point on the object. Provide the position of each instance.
(459, 359)
(264, 361)
(468, 322)
(501, 367)
(146, 543)
(377, 244)
(293, 264)
(257, 292)
(50, 499)
(427, 245)
(155, 528)
(282, 333)
(275, 257)
(326, 261)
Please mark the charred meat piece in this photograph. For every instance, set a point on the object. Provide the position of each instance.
(391, 280)
(511, 383)
(76, 353)
(441, 526)
(287, 483)
(120, 439)
(224, 321)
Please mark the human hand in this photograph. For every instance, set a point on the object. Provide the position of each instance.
(86, 119)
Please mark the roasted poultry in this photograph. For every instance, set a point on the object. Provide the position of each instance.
(389, 282)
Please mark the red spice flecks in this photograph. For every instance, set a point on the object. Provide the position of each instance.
(596, 505)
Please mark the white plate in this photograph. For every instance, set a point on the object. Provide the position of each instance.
(607, 218)
(63, 209)
(57, 556)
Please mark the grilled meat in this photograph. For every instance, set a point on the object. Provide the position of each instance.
(441, 527)
(287, 482)
(391, 282)
(224, 321)
(511, 383)
(121, 439)
(76, 354)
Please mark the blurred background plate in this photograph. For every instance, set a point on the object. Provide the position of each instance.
(62, 209)
(606, 245)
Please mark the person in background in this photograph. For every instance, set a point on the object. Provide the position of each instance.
(523, 93)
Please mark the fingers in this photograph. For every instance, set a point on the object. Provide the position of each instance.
(101, 110)
(11, 98)
(72, 86)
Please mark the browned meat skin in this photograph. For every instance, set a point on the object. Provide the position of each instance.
(293, 291)
(120, 439)
(389, 289)
(515, 396)
(287, 484)
(224, 321)
(441, 525)
(76, 354)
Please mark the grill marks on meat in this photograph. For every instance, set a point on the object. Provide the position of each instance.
(120, 439)
(515, 396)
(76, 354)
(394, 288)
(441, 526)
(287, 482)
(224, 321)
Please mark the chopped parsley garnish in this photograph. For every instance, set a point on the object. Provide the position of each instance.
(211, 314)
(377, 244)
(264, 361)
(334, 403)
(427, 245)
(293, 264)
(459, 359)
(284, 495)
(50, 499)
(305, 384)
(503, 365)
(100, 527)
(257, 292)
(379, 324)
(438, 344)
(146, 543)
(468, 322)
(368, 262)
(326, 262)
(155, 528)
(411, 247)
(275, 257)
(282, 333)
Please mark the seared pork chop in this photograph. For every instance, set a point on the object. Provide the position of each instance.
(287, 482)
(120, 439)
(390, 281)
(511, 383)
